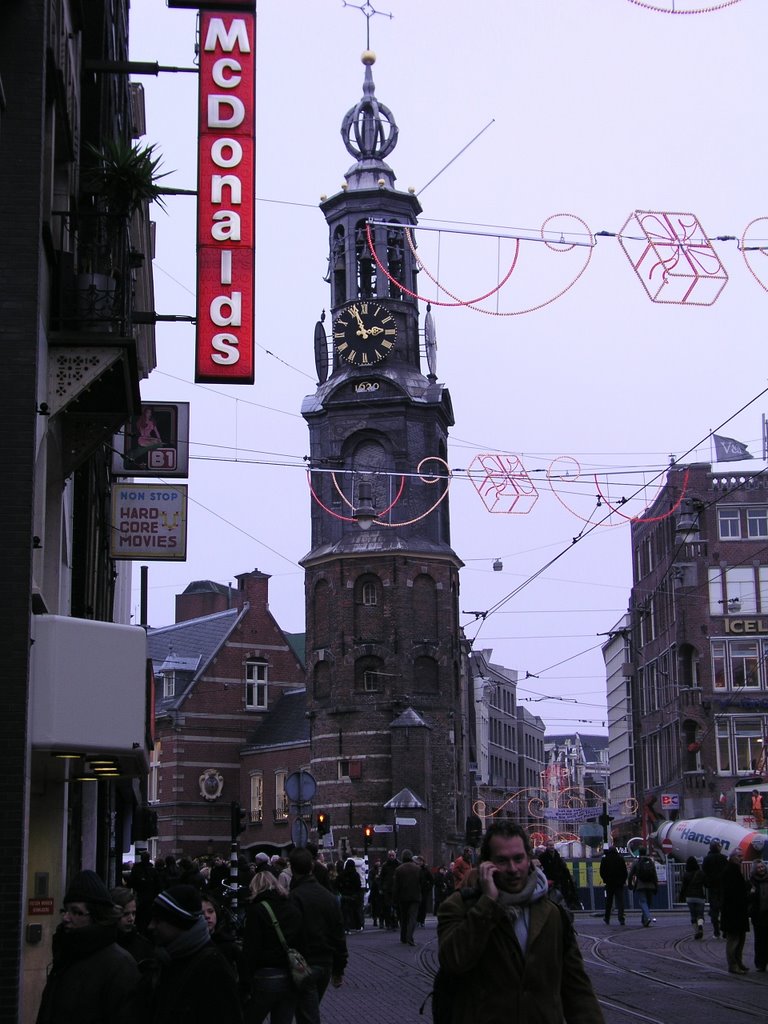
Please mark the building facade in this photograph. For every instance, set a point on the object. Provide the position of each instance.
(699, 609)
(619, 673)
(74, 270)
(387, 691)
(219, 678)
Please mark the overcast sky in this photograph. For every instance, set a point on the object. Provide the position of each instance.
(594, 109)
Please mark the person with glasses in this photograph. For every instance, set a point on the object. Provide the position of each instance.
(92, 979)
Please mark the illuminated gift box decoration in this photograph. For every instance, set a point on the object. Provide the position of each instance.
(503, 484)
(673, 258)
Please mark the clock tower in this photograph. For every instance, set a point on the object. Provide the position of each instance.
(386, 684)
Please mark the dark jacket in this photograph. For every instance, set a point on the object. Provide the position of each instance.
(407, 887)
(196, 989)
(92, 980)
(635, 882)
(613, 868)
(693, 885)
(734, 912)
(498, 984)
(758, 900)
(325, 943)
(261, 945)
(713, 866)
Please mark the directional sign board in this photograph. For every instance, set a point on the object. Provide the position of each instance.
(383, 828)
(405, 821)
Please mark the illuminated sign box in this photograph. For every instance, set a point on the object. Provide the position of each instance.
(226, 199)
(212, 5)
(154, 443)
(149, 522)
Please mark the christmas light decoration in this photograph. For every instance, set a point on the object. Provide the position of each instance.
(673, 258)
(503, 484)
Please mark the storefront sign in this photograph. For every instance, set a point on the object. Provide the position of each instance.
(226, 198)
(149, 523)
(744, 627)
(154, 443)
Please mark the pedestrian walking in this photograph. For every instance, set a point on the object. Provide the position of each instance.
(265, 975)
(643, 879)
(713, 866)
(193, 983)
(734, 913)
(406, 895)
(508, 953)
(92, 979)
(613, 872)
(351, 891)
(758, 912)
(386, 885)
(692, 892)
(325, 945)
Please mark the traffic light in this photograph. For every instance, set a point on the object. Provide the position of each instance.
(367, 836)
(323, 823)
(237, 822)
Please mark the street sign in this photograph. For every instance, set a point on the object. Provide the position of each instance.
(405, 821)
(300, 787)
(383, 828)
(670, 801)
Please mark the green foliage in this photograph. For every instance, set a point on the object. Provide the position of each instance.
(125, 175)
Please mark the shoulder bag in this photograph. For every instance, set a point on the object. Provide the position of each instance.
(300, 971)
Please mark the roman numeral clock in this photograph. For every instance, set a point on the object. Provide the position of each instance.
(364, 333)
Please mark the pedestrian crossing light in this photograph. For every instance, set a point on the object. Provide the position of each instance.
(323, 823)
(238, 822)
(367, 836)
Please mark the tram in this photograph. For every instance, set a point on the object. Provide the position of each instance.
(744, 813)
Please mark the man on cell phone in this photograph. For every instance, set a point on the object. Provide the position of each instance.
(512, 951)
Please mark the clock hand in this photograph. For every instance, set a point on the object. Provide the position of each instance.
(361, 333)
(375, 330)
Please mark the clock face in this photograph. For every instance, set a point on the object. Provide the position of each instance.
(364, 333)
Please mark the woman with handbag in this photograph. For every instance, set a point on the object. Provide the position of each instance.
(272, 922)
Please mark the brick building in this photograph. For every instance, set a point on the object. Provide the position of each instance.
(699, 621)
(218, 677)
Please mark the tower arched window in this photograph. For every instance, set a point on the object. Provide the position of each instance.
(321, 680)
(426, 676)
(366, 268)
(322, 613)
(396, 261)
(424, 608)
(369, 675)
(369, 623)
(339, 266)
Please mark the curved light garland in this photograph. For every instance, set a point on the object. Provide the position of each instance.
(761, 251)
(428, 480)
(436, 302)
(695, 10)
(648, 519)
(567, 247)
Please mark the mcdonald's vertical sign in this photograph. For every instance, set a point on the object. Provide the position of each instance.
(226, 198)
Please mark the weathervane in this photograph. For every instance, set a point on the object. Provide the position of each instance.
(368, 10)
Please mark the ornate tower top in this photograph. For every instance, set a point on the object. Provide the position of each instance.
(370, 133)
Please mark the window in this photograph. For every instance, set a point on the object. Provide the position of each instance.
(370, 681)
(757, 523)
(728, 524)
(744, 664)
(257, 796)
(153, 794)
(169, 684)
(739, 597)
(350, 769)
(368, 593)
(281, 797)
(256, 673)
(739, 743)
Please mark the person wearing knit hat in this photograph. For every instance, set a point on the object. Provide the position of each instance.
(194, 982)
(92, 980)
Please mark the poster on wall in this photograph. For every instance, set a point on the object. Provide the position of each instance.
(154, 443)
(149, 523)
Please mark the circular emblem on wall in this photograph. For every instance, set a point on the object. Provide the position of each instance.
(211, 784)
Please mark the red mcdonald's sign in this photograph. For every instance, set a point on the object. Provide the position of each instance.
(226, 198)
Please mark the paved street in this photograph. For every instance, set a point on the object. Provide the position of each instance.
(639, 974)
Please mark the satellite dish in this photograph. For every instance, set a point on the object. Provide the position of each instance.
(430, 342)
(321, 352)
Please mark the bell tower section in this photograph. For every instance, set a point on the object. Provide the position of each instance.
(385, 684)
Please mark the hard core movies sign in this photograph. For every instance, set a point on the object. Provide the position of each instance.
(226, 198)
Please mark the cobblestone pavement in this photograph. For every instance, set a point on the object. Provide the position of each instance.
(386, 982)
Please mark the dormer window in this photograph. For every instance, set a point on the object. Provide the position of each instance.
(256, 675)
(169, 684)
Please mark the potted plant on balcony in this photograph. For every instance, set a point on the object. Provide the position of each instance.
(122, 177)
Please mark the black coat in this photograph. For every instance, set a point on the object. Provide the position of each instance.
(734, 912)
(325, 942)
(92, 980)
(613, 869)
(197, 989)
(261, 944)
